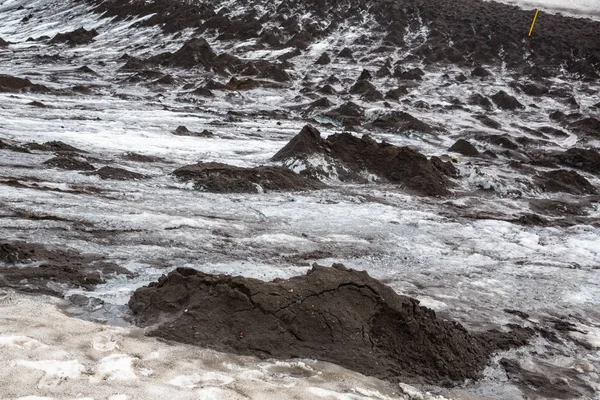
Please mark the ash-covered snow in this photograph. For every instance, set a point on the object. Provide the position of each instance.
(463, 255)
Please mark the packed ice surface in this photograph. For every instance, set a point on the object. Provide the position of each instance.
(463, 267)
(579, 8)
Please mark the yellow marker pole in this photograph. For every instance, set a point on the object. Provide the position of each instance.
(533, 23)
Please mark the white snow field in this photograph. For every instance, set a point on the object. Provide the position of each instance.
(577, 8)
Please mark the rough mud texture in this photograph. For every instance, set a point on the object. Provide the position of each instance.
(31, 267)
(15, 84)
(118, 174)
(55, 146)
(76, 37)
(549, 383)
(223, 178)
(71, 163)
(352, 157)
(564, 181)
(184, 131)
(482, 32)
(464, 147)
(333, 314)
(583, 159)
(399, 121)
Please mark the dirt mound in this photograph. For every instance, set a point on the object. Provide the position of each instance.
(70, 163)
(400, 121)
(584, 159)
(118, 174)
(76, 37)
(12, 147)
(549, 383)
(480, 100)
(142, 158)
(352, 157)
(560, 41)
(43, 270)
(332, 314)
(348, 114)
(506, 102)
(464, 147)
(14, 84)
(564, 181)
(184, 131)
(223, 178)
(587, 127)
(56, 146)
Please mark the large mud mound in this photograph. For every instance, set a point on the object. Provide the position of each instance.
(223, 178)
(463, 32)
(333, 314)
(34, 268)
(352, 159)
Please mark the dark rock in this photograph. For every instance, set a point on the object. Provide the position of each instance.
(349, 114)
(372, 95)
(37, 104)
(400, 121)
(487, 121)
(584, 159)
(558, 207)
(465, 148)
(345, 53)
(502, 141)
(242, 84)
(76, 37)
(331, 314)
(351, 157)
(223, 178)
(14, 84)
(534, 89)
(395, 94)
(480, 72)
(518, 313)
(587, 127)
(131, 156)
(506, 101)
(480, 100)
(194, 52)
(118, 174)
(383, 72)
(553, 131)
(327, 89)
(365, 75)
(3, 43)
(183, 131)
(414, 74)
(549, 383)
(202, 92)
(361, 87)
(445, 167)
(70, 163)
(43, 270)
(56, 146)
(323, 59)
(7, 146)
(564, 181)
(461, 78)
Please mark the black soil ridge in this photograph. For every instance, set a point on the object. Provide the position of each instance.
(481, 31)
(354, 156)
(332, 314)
